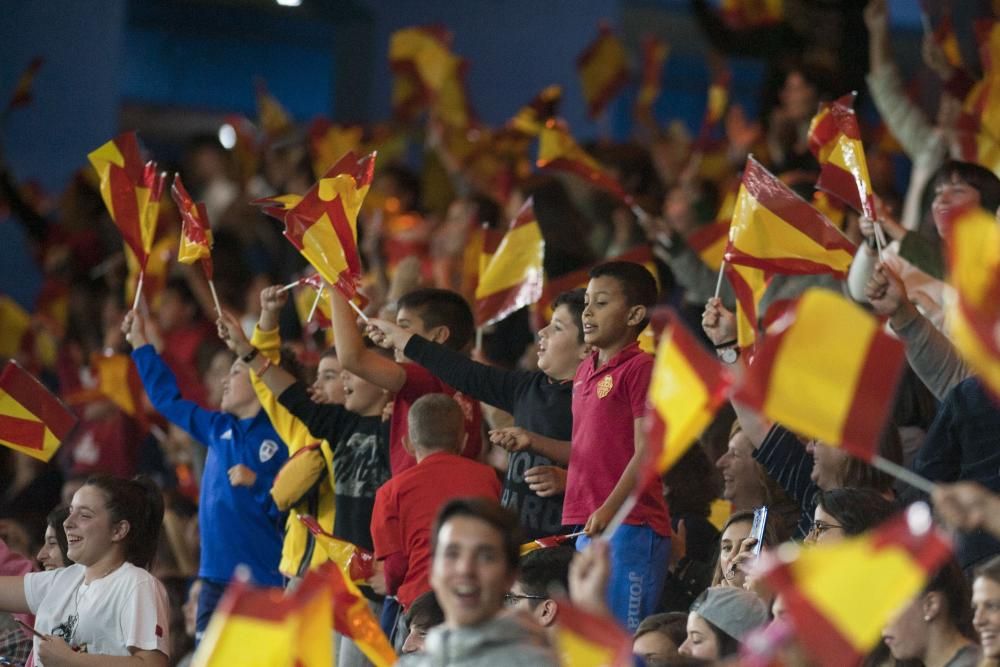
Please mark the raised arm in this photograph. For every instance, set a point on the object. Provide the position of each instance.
(353, 354)
(488, 384)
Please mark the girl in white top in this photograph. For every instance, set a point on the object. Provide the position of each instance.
(106, 610)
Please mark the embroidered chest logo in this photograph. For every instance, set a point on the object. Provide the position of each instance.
(268, 448)
(605, 386)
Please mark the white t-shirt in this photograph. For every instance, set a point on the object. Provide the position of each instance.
(127, 608)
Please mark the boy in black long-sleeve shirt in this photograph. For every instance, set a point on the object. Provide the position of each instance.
(540, 402)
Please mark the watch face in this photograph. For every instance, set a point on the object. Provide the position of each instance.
(729, 355)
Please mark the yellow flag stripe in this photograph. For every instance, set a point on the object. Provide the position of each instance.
(518, 259)
(830, 339)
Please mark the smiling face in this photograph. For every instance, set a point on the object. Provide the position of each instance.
(238, 397)
(608, 319)
(950, 195)
(49, 556)
(741, 484)
(90, 534)
(361, 396)
(329, 385)
(701, 641)
(559, 348)
(469, 572)
(986, 615)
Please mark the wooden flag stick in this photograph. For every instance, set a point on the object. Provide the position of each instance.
(215, 298)
(138, 290)
(880, 242)
(903, 474)
(718, 283)
(357, 310)
(479, 338)
(312, 311)
(619, 518)
(288, 286)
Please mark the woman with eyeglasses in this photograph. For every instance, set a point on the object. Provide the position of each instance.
(842, 513)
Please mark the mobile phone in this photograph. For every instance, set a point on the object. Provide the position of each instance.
(757, 529)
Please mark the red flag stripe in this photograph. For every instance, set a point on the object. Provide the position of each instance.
(743, 293)
(23, 432)
(490, 305)
(781, 264)
(781, 201)
(707, 235)
(880, 373)
(37, 399)
(840, 183)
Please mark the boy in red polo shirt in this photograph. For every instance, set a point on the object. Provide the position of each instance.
(406, 505)
(439, 315)
(609, 399)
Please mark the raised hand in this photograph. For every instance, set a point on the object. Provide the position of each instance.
(231, 333)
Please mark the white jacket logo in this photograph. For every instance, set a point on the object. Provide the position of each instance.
(268, 448)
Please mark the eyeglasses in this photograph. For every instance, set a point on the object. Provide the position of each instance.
(510, 599)
(820, 527)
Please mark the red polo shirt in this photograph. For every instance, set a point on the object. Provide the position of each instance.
(420, 381)
(406, 505)
(606, 403)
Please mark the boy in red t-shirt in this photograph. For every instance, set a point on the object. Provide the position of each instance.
(439, 315)
(609, 402)
(406, 505)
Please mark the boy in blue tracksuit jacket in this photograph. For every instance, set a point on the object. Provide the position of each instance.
(238, 520)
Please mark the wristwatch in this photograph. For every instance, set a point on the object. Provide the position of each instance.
(728, 352)
(249, 356)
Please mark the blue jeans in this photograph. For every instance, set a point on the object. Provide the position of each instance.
(208, 599)
(639, 559)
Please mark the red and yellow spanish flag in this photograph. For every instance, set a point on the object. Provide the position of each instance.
(328, 142)
(451, 105)
(558, 151)
(32, 420)
(358, 563)
(826, 370)
(262, 627)
(835, 140)
(746, 14)
(842, 595)
(603, 70)
(118, 381)
(749, 284)
(353, 618)
(513, 278)
(944, 33)
(531, 118)
(710, 241)
(272, 117)
(689, 385)
(974, 272)
(546, 543)
(196, 233)
(323, 224)
(718, 98)
(22, 94)
(422, 63)
(583, 639)
(131, 191)
(655, 52)
(775, 230)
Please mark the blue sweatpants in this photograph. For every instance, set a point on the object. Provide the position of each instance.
(639, 560)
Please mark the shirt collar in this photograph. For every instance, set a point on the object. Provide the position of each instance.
(623, 355)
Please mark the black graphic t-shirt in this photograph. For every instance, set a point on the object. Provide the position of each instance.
(539, 405)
